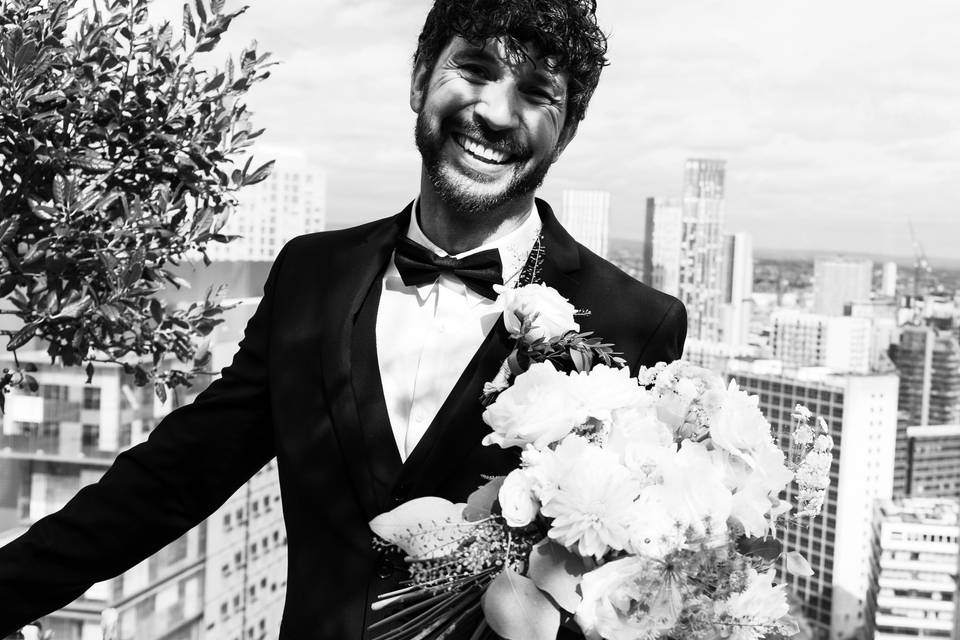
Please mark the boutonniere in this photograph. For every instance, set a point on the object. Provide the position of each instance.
(544, 326)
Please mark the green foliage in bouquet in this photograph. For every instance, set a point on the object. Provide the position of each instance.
(116, 161)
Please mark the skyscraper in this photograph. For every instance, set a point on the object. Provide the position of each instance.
(737, 305)
(839, 281)
(888, 284)
(701, 254)
(840, 343)
(586, 215)
(290, 202)
(933, 461)
(928, 361)
(664, 234)
(861, 413)
(914, 572)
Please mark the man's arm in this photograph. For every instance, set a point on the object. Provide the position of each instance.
(666, 343)
(154, 492)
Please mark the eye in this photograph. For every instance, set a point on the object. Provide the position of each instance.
(474, 70)
(541, 96)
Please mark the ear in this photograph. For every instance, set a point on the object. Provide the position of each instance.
(418, 86)
(566, 135)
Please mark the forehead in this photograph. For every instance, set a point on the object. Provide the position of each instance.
(520, 57)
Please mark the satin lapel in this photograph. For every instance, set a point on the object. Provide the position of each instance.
(459, 427)
(366, 262)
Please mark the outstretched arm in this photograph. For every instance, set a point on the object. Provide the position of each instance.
(154, 492)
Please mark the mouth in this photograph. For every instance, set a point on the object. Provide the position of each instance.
(481, 152)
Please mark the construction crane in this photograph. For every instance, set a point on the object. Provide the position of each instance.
(921, 266)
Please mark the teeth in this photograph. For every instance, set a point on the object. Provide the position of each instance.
(478, 149)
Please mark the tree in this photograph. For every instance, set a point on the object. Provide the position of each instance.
(119, 158)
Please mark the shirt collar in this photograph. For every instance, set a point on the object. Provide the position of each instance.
(514, 247)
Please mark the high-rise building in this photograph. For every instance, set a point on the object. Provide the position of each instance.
(701, 254)
(861, 414)
(586, 216)
(928, 361)
(840, 343)
(914, 569)
(664, 235)
(289, 203)
(838, 281)
(63, 437)
(883, 316)
(888, 282)
(933, 461)
(737, 306)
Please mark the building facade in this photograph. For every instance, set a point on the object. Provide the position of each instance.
(861, 413)
(664, 235)
(586, 216)
(701, 284)
(841, 343)
(933, 461)
(839, 281)
(737, 307)
(290, 202)
(913, 569)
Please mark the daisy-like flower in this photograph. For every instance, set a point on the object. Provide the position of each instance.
(592, 504)
(756, 610)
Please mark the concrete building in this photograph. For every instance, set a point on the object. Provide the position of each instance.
(933, 461)
(664, 234)
(701, 253)
(888, 281)
(883, 316)
(861, 413)
(838, 281)
(291, 202)
(737, 306)
(914, 569)
(840, 343)
(63, 437)
(928, 361)
(586, 216)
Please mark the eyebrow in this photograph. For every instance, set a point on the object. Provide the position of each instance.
(539, 74)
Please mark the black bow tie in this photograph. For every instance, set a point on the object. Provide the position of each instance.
(418, 265)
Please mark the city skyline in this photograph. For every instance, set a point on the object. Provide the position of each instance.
(824, 125)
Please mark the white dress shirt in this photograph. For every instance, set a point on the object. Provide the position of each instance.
(427, 334)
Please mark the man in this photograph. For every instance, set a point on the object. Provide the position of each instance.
(361, 370)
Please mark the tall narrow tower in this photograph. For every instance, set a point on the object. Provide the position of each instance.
(701, 264)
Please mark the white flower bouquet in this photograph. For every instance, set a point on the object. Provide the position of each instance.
(642, 507)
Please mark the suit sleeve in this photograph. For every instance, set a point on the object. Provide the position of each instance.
(666, 343)
(154, 492)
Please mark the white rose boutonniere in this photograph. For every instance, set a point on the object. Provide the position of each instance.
(537, 312)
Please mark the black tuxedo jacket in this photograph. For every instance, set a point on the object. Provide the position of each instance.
(304, 387)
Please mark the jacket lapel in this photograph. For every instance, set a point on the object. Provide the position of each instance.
(369, 258)
(458, 427)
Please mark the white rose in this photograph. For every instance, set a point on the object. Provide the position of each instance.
(538, 409)
(548, 314)
(604, 389)
(517, 503)
(739, 426)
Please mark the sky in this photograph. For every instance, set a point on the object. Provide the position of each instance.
(838, 121)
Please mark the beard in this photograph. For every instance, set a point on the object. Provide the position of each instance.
(458, 191)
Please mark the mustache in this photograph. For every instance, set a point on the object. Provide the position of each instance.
(504, 141)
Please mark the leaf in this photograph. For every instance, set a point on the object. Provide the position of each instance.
(30, 383)
(580, 360)
(23, 336)
(201, 11)
(424, 527)
(480, 502)
(260, 174)
(59, 189)
(797, 564)
(90, 371)
(516, 609)
(188, 24)
(767, 548)
(75, 309)
(156, 310)
(25, 54)
(557, 571)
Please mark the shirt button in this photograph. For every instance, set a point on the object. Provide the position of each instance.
(418, 416)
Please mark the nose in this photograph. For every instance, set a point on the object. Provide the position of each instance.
(497, 106)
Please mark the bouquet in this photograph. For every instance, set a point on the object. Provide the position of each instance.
(642, 507)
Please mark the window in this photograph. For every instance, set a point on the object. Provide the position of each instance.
(90, 436)
(91, 398)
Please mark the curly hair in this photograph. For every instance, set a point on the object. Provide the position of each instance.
(564, 30)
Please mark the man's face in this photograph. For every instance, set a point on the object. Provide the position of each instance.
(489, 125)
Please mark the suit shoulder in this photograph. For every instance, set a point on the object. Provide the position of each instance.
(633, 291)
(336, 238)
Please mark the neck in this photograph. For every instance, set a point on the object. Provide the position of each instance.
(458, 231)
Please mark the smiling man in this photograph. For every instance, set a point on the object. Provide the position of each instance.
(362, 369)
